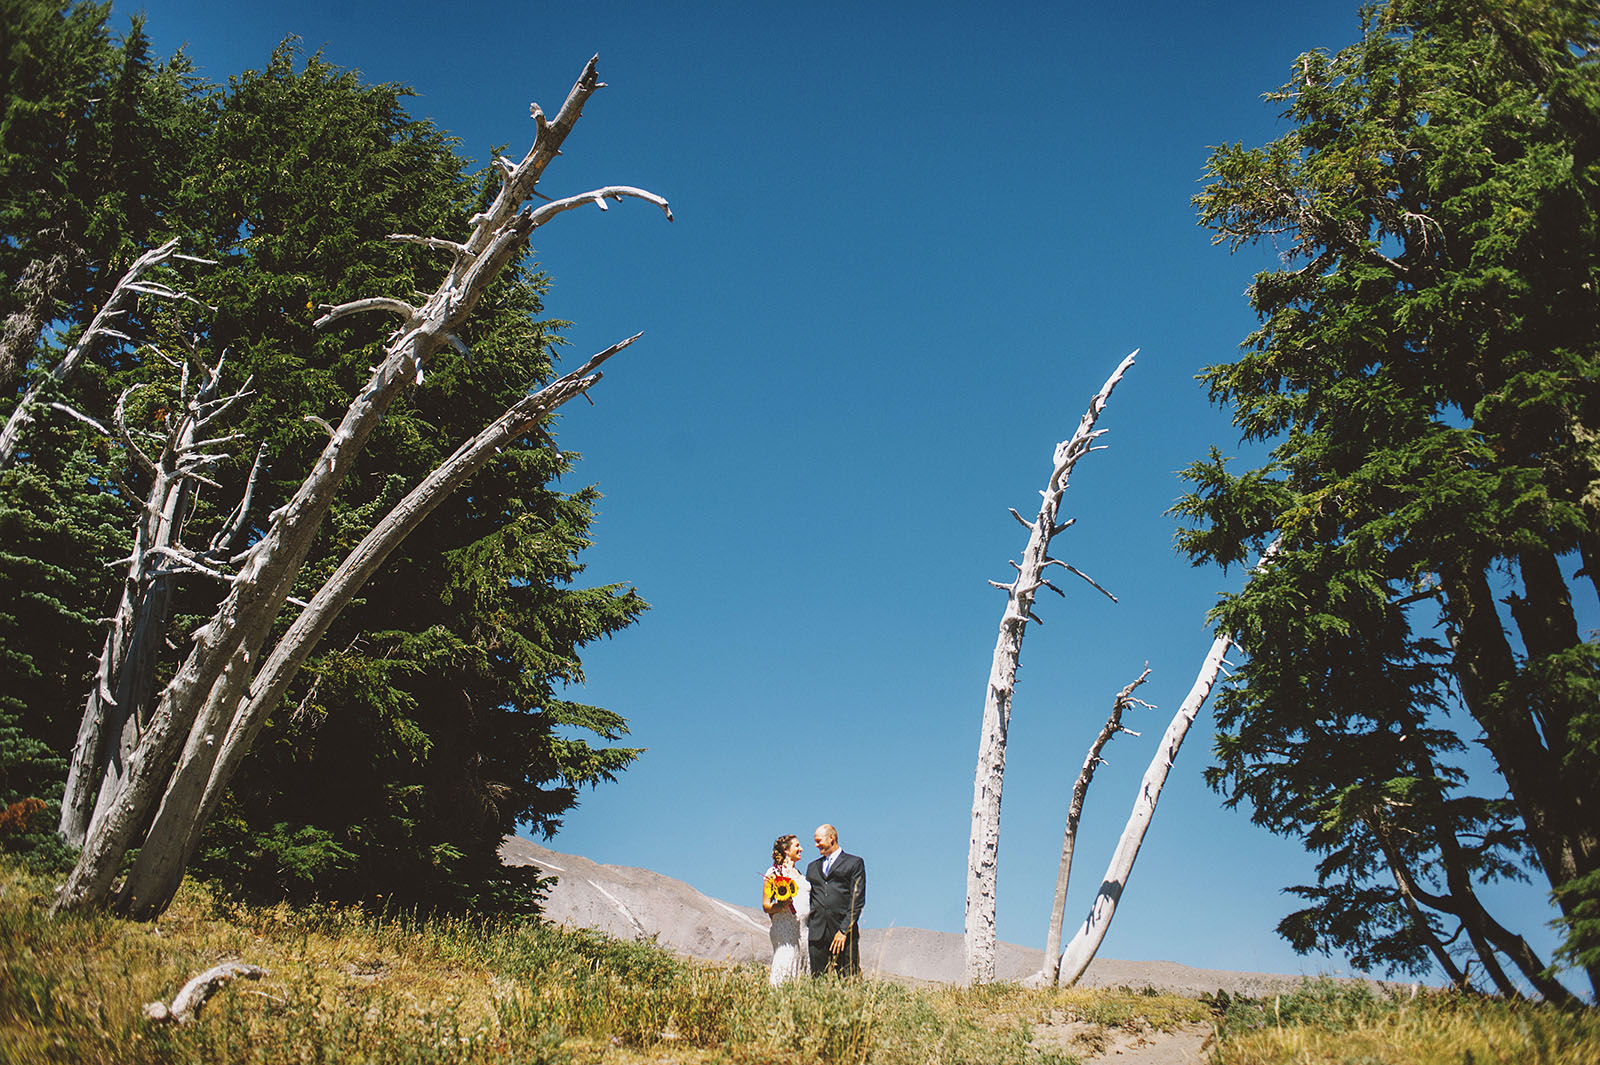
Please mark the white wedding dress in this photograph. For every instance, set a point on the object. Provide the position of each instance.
(791, 955)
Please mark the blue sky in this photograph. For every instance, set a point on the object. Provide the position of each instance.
(911, 241)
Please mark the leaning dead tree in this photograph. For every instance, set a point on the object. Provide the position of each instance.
(1069, 837)
(983, 849)
(134, 283)
(1067, 967)
(125, 677)
(1081, 950)
(200, 725)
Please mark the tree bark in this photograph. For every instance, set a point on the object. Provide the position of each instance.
(1409, 893)
(1487, 671)
(983, 849)
(1069, 837)
(199, 704)
(1086, 942)
(1461, 901)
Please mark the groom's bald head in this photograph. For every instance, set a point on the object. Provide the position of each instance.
(826, 839)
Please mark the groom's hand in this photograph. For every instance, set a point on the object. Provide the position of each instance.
(838, 943)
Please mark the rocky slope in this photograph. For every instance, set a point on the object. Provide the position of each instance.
(632, 903)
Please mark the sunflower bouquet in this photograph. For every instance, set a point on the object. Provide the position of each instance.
(779, 888)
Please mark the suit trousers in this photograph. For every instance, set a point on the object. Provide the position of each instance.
(845, 963)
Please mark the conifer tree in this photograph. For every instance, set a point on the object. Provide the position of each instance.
(1428, 373)
(433, 719)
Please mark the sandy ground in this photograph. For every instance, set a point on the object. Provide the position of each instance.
(1099, 1046)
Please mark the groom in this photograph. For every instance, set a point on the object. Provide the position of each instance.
(838, 892)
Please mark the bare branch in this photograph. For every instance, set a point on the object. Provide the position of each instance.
(131, 284)
(187, 1003)
(120, 416)
(436, 243)
(188, 561)
(78, 414)
(1086, 577)
(235, 523)
(399, 308)
(597, 197)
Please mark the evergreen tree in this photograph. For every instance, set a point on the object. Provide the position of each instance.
(94, 141)
(432, 723)
(1428, 371)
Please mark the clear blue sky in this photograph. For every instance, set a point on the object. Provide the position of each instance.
(911, 241)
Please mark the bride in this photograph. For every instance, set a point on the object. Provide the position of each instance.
(788, 904)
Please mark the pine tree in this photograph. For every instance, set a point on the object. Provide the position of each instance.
(432, 722)
(1428, 372)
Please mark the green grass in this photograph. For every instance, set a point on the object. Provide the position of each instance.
(347, 987)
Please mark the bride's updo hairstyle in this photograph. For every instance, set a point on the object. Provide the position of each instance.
(780, 848)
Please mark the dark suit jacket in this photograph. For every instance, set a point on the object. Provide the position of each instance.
(838, 898)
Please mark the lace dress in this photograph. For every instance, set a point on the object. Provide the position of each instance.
(790, 955)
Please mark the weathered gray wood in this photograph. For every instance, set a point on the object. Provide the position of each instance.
(217, 744)
(1075, 959)
(984, 844)
(1080, 789)
(217, 693)
(186, 1004)
(125, 676)
(129, 286)
(1081, 951)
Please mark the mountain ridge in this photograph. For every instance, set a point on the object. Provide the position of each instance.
(635, 903)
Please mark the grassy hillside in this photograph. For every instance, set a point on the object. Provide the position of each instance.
(347, 987)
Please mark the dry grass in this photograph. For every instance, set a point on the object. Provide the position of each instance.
(1328, 1024)
(346, 987)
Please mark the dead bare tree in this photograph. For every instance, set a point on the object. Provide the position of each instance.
(1075, 959)
(983, 849)
(202, 722)
(128, 288)
(1081, 950)
(1069, 837)
(125, 678)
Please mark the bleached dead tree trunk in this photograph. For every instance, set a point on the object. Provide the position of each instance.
(1069, 837)
(211, 757)
(1075, 959)
(213, 695)
(125, 677)
(128, 288)
(984, 845)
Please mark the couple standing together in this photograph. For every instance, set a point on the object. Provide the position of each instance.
(826, 903)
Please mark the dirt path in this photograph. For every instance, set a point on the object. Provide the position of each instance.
(1097, 1045)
